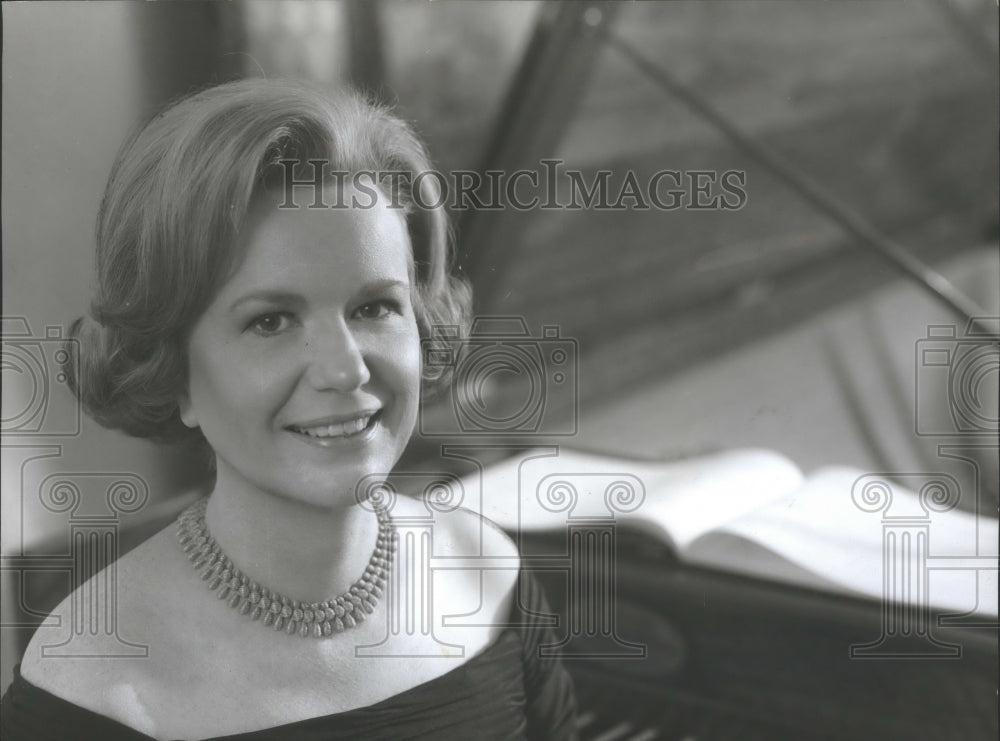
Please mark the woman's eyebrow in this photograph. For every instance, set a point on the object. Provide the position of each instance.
(376, 286)
(277, 296)
(265, 295)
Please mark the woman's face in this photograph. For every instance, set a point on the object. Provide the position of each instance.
(304, 372)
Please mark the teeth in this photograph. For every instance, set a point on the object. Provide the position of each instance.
(344, 429)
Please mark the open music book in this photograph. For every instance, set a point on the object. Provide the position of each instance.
(754, 512)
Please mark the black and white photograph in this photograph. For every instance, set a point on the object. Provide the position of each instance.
(516, 370)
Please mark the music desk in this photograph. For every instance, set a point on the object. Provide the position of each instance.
(692, 654)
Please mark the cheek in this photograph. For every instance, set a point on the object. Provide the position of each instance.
(207, 396)
(401, 362)
(226, 385)
(410, 361)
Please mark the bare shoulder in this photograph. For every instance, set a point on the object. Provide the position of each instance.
(479, 549)
(98, 642)
(459, 531)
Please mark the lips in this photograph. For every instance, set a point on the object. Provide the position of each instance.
(336, 427)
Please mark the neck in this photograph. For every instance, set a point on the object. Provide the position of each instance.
(299, 550)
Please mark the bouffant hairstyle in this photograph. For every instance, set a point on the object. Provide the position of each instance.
(169, 224)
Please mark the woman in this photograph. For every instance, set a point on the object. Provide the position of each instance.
(280, 324)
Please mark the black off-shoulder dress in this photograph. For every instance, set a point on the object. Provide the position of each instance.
(504, 692)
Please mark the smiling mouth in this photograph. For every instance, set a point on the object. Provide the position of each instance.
(351, 428)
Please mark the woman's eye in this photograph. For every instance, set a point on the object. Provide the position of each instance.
(268, 324)
(378, 309)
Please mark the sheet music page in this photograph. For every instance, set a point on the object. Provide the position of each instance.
(832, 542)
(675, 500)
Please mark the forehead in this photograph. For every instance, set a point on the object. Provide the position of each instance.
(344, 243)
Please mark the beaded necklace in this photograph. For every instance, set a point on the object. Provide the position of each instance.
(306, 619)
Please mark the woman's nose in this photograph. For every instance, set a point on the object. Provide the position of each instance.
(336, 360)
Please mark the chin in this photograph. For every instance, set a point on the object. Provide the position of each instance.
(342, 488)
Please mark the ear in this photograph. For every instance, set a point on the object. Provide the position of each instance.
(186, 409)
